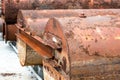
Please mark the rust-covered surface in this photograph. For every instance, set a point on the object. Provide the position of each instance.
(81, 4)
(35, 21)
(10, 8)
(88, 46)
(50, 72)
(10, 31)
(35, 42)
(104, 4)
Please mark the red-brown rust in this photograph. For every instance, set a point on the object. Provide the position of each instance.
(10, 8)
(35, 26)
(88, 44)
(81, 4)
(10, 31)
(34, 16)
(104, 4)
(98, 29)
(35, 20)
(38, 46)
(50, 71)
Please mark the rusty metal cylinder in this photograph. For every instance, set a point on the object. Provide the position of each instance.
(81, 4)
(89, 47)
(10, 31)
(10, 8)
(34, 21)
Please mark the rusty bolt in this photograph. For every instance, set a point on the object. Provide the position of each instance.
(82, 15)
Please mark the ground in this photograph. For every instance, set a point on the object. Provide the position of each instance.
(10, 68)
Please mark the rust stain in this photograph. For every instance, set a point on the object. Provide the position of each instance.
(93, 45)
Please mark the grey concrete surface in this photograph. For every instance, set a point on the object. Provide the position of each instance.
(1, 37)
(10, 68)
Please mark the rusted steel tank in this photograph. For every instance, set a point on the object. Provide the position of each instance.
(31, 25)
(10, 31)
(81, 4)
(10, 8)
(35, 21)
(84, 48)
(104, 4)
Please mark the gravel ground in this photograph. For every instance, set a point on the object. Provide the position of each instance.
(10, 68)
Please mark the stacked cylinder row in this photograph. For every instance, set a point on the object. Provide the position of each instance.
(73, 44)
(10, 9)
(70, 44)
